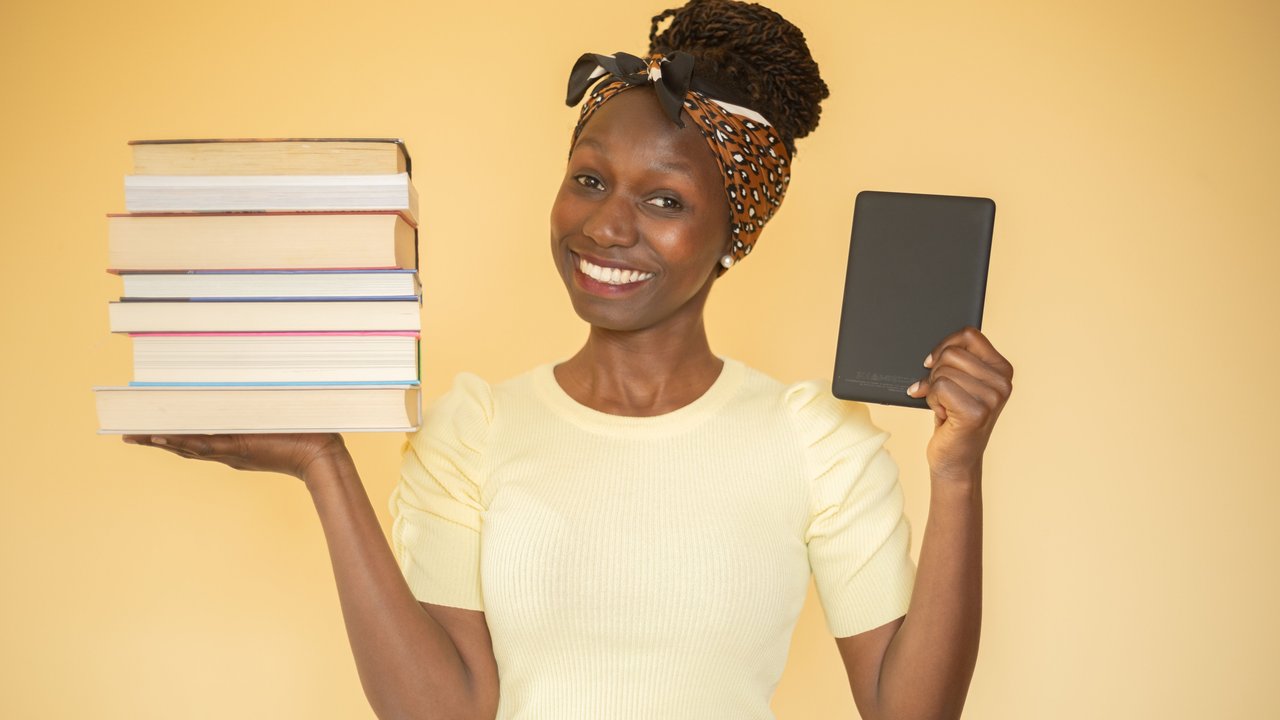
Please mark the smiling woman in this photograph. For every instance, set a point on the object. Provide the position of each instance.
(642, 202)
(630, 533)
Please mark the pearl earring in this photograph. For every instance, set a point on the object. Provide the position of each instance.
(727, 261)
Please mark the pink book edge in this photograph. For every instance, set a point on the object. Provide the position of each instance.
(254, 271)
(349, 333)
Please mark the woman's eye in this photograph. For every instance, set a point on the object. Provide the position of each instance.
(587, 181)
(666, 203)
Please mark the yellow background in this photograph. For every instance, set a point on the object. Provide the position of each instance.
(1132, 149)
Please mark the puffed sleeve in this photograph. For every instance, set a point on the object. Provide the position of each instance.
(858, 538)
(436, 506)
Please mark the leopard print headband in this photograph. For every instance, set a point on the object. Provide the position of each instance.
(751, 157)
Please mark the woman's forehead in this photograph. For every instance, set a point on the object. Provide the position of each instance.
(634, 121)
(635, 115)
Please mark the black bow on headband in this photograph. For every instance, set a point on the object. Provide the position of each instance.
(669, 74)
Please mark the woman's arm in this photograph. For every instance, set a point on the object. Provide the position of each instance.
(415, 660)
(919, 666)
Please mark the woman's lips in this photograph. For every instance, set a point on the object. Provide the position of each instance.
(607, 280)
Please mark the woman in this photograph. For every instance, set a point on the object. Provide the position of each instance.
(630, 533)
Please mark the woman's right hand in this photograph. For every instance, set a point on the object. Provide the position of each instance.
(291, 454)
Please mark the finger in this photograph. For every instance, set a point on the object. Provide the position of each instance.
(958, 404)
(156, 441)
(920, 389)
(972, 339)
(193, 444)
(935, 403)
(986, 400)
(186, 453)
(203, 446)
(195, 447)
(954, 338)
(963, 361)
(989, 397)
(148, 442)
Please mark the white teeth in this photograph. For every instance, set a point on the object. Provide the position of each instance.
(611, 276)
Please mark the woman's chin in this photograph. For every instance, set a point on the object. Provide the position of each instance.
(605, 317)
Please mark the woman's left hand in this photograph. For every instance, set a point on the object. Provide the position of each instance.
(967, 387)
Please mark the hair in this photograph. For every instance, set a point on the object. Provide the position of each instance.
(752, 56)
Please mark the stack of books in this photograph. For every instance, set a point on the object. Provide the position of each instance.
(269, 286)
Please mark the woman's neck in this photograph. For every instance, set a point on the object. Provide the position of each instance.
(641, 373)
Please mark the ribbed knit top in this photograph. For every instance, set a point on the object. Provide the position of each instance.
(650, 567)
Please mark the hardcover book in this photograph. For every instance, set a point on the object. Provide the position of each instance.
(314, 408)
(279, 241)
(269, 193)
(282, 357)
(273, 285)
(140, 316)
(271, 156)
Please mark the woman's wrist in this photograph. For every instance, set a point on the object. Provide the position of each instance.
(329, 466)
(963, 485)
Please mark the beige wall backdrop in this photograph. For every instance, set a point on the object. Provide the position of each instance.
(1132, 149)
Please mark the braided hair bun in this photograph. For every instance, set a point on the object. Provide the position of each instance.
(752, 56)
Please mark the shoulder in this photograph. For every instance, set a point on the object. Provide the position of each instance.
(471, 405)
(463, 413)
(468, 390)
(816, 412)
(811, 409)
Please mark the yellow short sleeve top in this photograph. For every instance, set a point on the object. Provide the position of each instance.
(650, 567)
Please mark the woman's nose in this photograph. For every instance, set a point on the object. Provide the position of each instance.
(612, 222)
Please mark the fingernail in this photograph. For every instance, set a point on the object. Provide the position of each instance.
(914, 386)
(158, 440)
(928, 361)
(131, 441)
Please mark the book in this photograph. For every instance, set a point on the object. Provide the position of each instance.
(315, 408)
(293, 357)
(274, 284)
(258, 193)
(281, 241)
(271, 156)
(138, 316)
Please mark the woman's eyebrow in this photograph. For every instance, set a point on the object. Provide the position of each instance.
(588, 142)
(677, 165)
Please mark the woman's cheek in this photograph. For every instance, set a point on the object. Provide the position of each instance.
(685, 244)
(563, 212)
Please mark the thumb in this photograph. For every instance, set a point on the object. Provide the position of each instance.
(935, 403)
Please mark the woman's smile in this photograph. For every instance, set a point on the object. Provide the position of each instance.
(604, 278)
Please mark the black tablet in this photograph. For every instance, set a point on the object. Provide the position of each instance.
(917, 273)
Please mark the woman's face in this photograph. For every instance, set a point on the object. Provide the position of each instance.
(641, 219)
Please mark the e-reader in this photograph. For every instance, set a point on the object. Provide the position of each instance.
(917, 273)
